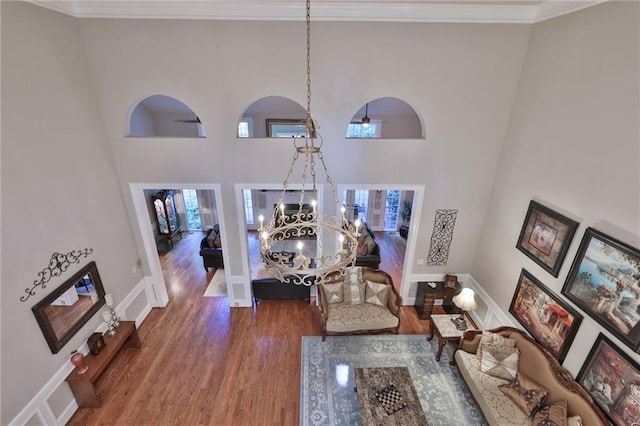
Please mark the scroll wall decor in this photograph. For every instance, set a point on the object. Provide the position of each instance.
(57, 265)
(441, 237)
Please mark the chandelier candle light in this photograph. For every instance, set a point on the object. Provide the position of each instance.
(324, 231)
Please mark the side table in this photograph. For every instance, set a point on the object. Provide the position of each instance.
(445, 329)
(426, 296)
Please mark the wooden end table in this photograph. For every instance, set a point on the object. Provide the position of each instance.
(445, 329)
(83, 385)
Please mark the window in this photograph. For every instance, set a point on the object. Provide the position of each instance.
(248, 206)
(277, 128)
(192, 210)
(391, 210)
(245, 128)
(358, 131)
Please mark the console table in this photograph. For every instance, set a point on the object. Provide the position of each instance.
(83, 385)
(426, 296)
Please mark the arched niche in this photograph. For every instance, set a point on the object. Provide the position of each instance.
(164, 116)
(272, 116)
(389, 118)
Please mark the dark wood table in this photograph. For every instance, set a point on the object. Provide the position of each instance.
(426, 296)
(370, 380)
(83, 385)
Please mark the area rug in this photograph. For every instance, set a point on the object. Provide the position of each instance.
(327, 379)
(218, 285)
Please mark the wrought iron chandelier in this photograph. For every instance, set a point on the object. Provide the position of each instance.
(302, 245)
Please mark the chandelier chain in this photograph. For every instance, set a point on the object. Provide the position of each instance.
(309, 124)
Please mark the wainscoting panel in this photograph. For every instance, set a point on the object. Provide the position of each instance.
(40, 410)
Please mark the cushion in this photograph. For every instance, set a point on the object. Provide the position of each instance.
(574, 421)
(551, 415)
(376, 293)
(362, 249)
(369, 244)
(353, 294)
(333, 292)
(217, 243)
(489, 337)
(496, 407)
(345, 318)
(526, 393)
(499, 361)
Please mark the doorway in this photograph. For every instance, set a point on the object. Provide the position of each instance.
(209, 206)
(382, 208)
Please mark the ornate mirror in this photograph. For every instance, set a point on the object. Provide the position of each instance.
(63, 312)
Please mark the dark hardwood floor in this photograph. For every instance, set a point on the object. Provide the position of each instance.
(202, 363)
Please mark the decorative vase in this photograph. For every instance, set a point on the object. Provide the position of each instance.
(77, 359)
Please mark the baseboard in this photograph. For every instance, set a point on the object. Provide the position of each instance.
(493, 317)
(39, 405)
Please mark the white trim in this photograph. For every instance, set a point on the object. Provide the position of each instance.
(156, 285)
(494, 314)
(245, 278)
(412, 238)
(39, 405)
(388, 11)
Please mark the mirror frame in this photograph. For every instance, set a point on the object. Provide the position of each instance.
(55, 344)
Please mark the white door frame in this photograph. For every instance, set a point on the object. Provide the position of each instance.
(156, 285)
(418, 199)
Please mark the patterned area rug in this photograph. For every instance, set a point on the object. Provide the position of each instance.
(327, 378)
(218, 285)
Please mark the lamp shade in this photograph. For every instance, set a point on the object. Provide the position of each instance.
(465, 300)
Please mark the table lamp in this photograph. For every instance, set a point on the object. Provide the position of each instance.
(466, 302)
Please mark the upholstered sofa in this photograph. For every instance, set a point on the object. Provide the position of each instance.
(211, 249)
(368, 251)
(533, 362)
(363, 301)
(273, 288)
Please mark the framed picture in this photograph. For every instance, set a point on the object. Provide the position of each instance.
(286, 128)
(604, 282)
(612, 379)
(545, 237)
(552, 322)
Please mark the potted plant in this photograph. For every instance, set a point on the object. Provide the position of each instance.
(405, 214)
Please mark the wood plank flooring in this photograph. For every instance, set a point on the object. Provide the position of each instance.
(202, 363)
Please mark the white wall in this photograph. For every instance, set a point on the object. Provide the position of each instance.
(462, 80)
(59, 188)
(572, 144)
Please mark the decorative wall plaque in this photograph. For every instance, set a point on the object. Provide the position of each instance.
(57, 265)
(441, 237)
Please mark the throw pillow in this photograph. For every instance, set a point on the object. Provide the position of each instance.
(489, 337)
(551, 415)
(376, 293)
(362, 249)
(499, 361)
(574, 421)
(333, 292)
(526, 393)
(369, 244)
(217, 243)
(353, 293)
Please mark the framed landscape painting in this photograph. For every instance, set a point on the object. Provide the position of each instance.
(612, 379)
(604, 282)
(545, 237)
(552, 322)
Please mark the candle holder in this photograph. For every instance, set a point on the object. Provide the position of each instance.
(108, 298)
(114, 317)
(106, 316)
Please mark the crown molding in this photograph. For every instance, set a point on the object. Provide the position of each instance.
(353, 11)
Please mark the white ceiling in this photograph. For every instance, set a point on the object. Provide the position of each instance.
(481, 11)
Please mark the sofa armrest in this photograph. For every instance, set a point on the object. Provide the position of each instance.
(324, 311)
(470, 341)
